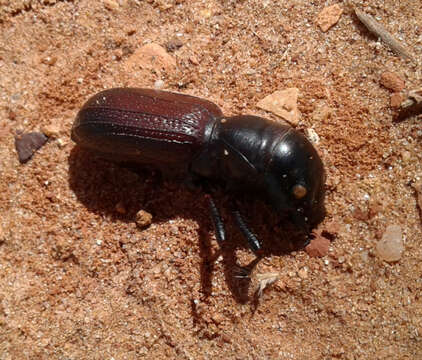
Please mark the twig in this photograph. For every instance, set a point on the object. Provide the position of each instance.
(412, 105)
(379, 30)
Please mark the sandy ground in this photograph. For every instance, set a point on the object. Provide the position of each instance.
(79, 280)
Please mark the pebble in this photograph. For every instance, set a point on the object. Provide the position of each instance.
(111, 4)
(329, 16)
(159, 84)
(51, 130)
(321, 113)
(174, 44)
(282, 103)
(303, 273)
(153, 57)
(390, 247)
(194, 60)
(318, 247)
(27, 144)
(49, 60)
(396, 99)
(392, 81)
(312, 135)
(143, 219)
(61, 143)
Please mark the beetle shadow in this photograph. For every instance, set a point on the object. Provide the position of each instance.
(100, 185)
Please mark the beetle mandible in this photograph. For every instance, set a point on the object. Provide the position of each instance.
(245, 153)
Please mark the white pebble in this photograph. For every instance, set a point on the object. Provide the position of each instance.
(159, 84)
(312, 135)
(390, 247)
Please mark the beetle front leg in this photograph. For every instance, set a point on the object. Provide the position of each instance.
(253, 241)
(220, 233)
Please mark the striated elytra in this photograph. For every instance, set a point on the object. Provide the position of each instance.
(244, 154)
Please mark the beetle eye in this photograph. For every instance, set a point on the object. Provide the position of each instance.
(299, 191)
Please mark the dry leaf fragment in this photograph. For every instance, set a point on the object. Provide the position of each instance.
(265, 280)
(27, 144)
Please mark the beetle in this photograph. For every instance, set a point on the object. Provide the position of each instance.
(244, 154)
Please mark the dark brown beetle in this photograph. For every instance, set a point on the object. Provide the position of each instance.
(243, 153)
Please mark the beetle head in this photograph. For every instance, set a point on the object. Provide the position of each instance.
(295, 180)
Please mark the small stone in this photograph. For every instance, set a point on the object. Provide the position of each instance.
(120, 207)
(312, 135)
(282, 103)
(174, 44)
(205, 13)
(321, 113)
(226, 338)
(392, 81)
(194, 60)
(396, 100)
(217, 318)
(49, 60)
(12, 115)
(62, 249)
(333, 228)
(390, 247)
(62, 143)
(417, 186)
(159, 84)
(374, 208)
(360, 214)
(118, 54)
(303, 273)
(153, 57)
(27, 144)
(406, 156)
(143, 219)
(318, 247)
(51, 130)
(329, 16)
(111, 4)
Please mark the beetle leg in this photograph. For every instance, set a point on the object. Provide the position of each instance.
(220, 233)
(254, 243)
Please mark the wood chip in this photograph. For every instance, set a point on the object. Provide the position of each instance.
(380, 31)
(265, 280)
(412, 105)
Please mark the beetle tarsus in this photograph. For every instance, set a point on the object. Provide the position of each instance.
(220, 233)
(253, 242)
